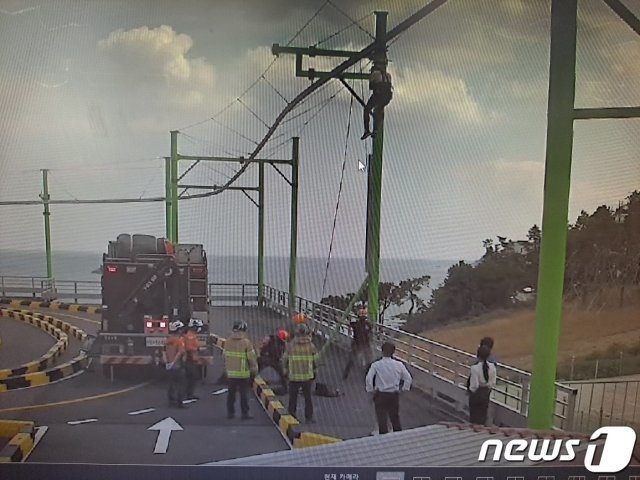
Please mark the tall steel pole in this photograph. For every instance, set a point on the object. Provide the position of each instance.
(47, 225)
(167, 197)
(174, 186)
(295, 158)
(261, 233)
(562, 76)
(375, 180)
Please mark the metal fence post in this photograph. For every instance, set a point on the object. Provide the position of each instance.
(524, 396)
(595, 374)
(571, 410)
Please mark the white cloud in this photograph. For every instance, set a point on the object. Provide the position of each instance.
(162, 54)
(444, 95)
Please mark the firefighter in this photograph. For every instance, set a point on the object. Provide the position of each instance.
(361, 343)
(382, 92)
(192, 367)
(173, 358)
(240, 367)
(271, 353)
(300, 365)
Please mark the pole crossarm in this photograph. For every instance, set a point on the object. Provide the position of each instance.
(350, 62)
(606, 113)
(214, 187)
(234, 159)
(276, 49)
(625, 14)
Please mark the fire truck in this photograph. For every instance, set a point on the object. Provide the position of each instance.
(147, 282)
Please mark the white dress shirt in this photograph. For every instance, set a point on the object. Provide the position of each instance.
(388, 372)
(477, 377)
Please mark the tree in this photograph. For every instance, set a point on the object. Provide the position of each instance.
(408, 291)
(534, 235)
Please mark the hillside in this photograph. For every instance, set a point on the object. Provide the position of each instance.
(583, 333)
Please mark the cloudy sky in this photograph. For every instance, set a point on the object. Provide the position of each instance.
(91, 89)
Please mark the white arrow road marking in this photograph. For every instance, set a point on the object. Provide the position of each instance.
(219, 392)
(79, 422)
(40, 431)
(164, 428)
(140, 412)
(191, 400)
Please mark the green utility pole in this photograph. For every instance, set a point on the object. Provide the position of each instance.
(47, 226)
(167, 197)
(555, 212)
(261, 233)
(174, 186)
(295, 158)
(375, 180)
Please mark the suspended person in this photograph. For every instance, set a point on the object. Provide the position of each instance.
(192, 364)
(173, 358)
(241, 367)
(361, 342)
(272, 352)
(385, 379)
(300, 366)
(482, 380)
(382, 92)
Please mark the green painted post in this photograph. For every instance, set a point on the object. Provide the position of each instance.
(295, 158)
(375, 179)
(47, 225)
(555, 212)
(167, 197)
(261, 233)
(174, 186)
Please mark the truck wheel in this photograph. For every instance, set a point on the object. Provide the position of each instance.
(123, 246)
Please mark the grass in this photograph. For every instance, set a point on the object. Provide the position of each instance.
(587, 335)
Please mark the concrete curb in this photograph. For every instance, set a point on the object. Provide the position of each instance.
(288, 425)
(72, 307)
(45, 360)
(22, 440)
(54, 374)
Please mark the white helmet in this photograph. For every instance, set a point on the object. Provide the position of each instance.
(196, 323)
(175, 326)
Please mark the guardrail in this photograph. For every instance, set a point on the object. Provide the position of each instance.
(606, 402)
(19, 286)
(441, 363)
(231, 294)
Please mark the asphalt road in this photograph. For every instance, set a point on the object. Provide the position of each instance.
(114, 436)
(103, 431)
(16, 335)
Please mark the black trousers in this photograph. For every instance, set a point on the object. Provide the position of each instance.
(192, 370)
(479, 405)
(387, 405)
(177, 381)
(357, 352)
(376, 105)
(294, 387)
(240, 385)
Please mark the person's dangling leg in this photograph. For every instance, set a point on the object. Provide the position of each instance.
(368, 108)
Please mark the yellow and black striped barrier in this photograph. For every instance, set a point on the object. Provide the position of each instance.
(45, 361)
(71, 307)
(44, 377)
(21, 440)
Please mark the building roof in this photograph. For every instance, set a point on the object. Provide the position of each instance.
(440, 445)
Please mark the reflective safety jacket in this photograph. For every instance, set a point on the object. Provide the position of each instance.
(300, 360)
(173, 346)
(191, 345)
(239, 356)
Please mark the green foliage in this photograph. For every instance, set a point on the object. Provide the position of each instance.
(603, 251)
(389, 294)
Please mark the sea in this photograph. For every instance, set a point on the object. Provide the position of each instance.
(344, 275)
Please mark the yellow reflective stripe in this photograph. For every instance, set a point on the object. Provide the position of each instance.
(301, 357)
